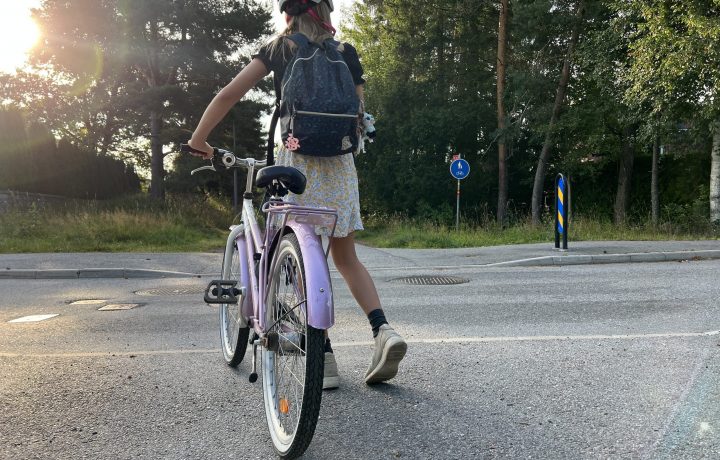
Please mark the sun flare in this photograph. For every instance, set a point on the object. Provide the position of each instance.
(18, 34)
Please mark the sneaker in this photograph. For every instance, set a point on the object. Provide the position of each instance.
(331, 379)
(390, 349)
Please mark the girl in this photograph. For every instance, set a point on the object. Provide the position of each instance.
(331, 181)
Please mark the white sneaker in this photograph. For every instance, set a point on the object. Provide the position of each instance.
(331, 379)
(390, 349)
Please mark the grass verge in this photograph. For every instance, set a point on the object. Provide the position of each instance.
(400, 233)
(179, 224)
(192, 223)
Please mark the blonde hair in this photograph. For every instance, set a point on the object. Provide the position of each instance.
(306, 25)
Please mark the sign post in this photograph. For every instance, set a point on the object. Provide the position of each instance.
(459, 169)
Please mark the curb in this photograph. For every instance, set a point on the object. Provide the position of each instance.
(640, 257)
(544, 261)
(88, 273)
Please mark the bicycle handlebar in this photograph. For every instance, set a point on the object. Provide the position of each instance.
(226, 157)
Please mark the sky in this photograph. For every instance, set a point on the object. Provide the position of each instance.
(17, 33)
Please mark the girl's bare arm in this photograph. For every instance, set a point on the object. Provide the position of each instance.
(224, 101)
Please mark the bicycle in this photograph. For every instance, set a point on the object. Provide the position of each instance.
(276, 283)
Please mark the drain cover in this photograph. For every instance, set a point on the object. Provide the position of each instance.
(431, 280)
(172, 290)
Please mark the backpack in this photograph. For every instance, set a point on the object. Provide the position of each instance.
(319, 105)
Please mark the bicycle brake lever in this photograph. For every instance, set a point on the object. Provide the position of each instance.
(202, 168)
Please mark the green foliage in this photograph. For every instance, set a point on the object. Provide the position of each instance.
(134, 224)
(31, 161)
(642, 70)
(430, 69)
(400, 232)
(676, 60)
(427, 67)
(106, 65)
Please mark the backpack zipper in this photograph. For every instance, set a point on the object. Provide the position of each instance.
(320, 114)
(339, 115)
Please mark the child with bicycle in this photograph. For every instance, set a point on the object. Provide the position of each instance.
(331, 178)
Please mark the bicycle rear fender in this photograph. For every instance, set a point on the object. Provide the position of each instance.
(321, 312)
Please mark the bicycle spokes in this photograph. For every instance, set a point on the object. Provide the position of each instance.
(289, 330)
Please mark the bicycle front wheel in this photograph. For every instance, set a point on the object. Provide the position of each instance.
(233, 336)
(293, 360)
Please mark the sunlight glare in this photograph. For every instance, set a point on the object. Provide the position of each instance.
(18, 34)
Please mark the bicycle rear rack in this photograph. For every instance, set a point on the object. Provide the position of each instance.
(223, 291)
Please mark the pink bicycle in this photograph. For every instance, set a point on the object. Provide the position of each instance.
(276, 284)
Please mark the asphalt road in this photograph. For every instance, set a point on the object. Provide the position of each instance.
(591, 361)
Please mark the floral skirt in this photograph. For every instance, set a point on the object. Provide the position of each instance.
(331, 183)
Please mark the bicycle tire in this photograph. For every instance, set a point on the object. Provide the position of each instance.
(291, 423)
(233, 338)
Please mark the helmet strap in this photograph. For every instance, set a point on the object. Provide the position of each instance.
(324, 24)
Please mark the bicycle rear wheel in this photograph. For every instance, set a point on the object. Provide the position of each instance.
(293, 361)
(234, 337)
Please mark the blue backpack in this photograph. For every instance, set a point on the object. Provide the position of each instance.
(319, 105)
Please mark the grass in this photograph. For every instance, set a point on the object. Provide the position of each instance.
(403, 233)
(181, 223)
(191, 223)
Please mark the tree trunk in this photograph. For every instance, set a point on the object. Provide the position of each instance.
(157, 171)
(622, 197)
(654, 191)
(502, 151)
(537, 195)
(715, 174)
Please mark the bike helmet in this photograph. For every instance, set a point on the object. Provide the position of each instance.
(298, 7)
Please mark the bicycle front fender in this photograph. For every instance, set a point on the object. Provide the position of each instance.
(321, 310)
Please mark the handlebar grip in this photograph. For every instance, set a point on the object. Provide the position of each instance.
(185, 148)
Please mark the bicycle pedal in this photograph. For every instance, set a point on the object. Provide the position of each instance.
(223, 291)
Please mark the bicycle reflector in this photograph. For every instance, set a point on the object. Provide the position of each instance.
(284, 406)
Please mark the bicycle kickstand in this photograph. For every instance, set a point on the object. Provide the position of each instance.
(253, 373)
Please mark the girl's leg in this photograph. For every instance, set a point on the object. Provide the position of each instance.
(390, 348)
(353, 271)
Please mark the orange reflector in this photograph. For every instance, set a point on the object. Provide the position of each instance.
(284, 406)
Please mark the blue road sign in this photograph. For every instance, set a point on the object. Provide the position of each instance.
(459, 169)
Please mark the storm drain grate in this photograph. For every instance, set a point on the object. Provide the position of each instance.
(172, 290)
(431, 280)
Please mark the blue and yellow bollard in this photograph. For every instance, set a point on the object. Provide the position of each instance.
(561, 211)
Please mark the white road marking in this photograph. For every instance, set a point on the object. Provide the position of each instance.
(540, 338)
(448, 340)
(119, 306)
(88, 302)
(32, 318)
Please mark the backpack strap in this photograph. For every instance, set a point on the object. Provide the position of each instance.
(271, 134)
(332, 42)
(299, 39)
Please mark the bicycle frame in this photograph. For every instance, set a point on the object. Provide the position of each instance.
(257, 247)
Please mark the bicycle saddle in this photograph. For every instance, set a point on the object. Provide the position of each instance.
(289, 177)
